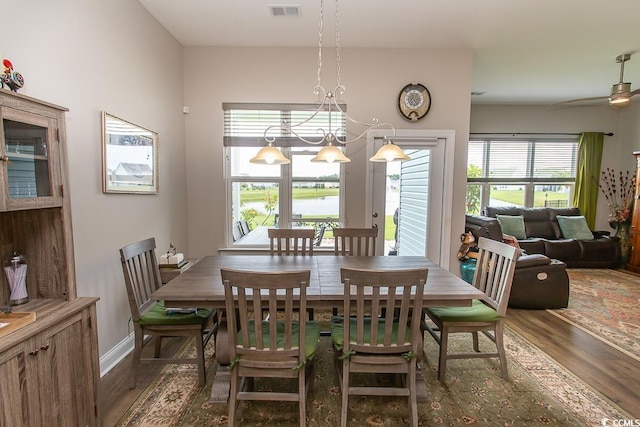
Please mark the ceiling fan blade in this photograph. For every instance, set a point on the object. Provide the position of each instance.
(572, 101)
(634, 92)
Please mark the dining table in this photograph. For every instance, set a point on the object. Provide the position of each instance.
(201, 286)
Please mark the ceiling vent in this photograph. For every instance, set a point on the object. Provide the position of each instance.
(285, 10)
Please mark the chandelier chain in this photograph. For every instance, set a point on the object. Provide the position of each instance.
(337, 45)
(320, 30)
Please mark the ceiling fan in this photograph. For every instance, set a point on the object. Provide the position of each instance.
(621, 92)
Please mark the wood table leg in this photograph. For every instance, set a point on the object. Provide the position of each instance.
(221, 385)
(422, 394)
(223, 357)
(222, 381)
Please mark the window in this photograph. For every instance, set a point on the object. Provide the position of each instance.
(533, 171)
(300, 194)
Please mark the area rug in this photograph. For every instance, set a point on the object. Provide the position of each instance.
(604, 303)
(539, 392)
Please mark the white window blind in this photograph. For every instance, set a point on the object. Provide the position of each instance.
(530, 160)
(245, 124)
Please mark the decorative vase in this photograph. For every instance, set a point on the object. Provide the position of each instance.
(622, 232)
(467, 269)
(16, 273)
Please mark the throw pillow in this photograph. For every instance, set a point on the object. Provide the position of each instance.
(512, 225)
(574, 227)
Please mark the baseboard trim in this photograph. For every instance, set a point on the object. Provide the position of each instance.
(116, 354)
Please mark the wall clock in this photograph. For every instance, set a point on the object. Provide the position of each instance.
(414, 101)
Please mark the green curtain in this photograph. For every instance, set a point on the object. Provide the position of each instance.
(586, 192)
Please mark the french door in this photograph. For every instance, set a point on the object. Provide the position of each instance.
(416, 195)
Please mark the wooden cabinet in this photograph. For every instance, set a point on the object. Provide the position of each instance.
(49, 370)
(633, 263)
(48, 377)
(168, 274)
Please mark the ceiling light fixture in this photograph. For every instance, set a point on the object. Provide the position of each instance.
(620, 93)
(331, 151)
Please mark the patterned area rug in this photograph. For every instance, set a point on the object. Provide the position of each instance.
(540, 392)
(604, 303)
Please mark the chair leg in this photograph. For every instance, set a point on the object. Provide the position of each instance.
(157, 346)
(302, 397)
(345, 394)
(233, 392)
(442, 359)
(202, 380)
(413, 401)
(137, 353)
(476, 344)
(498, 334)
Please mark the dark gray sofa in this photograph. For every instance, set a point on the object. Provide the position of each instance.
(545, 237)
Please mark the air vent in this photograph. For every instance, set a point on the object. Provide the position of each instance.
(285, 10)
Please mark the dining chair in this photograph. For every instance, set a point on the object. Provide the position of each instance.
(291, 241)
(152, 318)
(355, 241)
(380, 335)
(495, 267)
(280, 345)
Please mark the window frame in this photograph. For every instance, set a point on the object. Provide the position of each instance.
(529, 182)
(285, 181)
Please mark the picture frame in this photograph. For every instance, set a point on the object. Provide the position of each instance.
(129, 157)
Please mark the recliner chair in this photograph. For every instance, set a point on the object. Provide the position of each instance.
(539, 282)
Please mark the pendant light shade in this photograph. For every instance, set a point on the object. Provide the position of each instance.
(330, 154)
(390, 152)
(270, 155)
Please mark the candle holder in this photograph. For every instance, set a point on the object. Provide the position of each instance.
(16, 272)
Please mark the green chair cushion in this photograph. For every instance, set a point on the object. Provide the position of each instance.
(337, 331)
(312, 332)
(478, 312)
(157, 316)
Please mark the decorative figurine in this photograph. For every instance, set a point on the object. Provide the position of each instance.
(12, 79)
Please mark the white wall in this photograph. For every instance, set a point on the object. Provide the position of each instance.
(92, 56)
(540, 119)
(373, 78)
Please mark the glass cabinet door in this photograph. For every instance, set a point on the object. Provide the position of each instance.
(28, 162)
(29, 169)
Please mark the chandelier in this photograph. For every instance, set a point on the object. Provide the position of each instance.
(331, 151)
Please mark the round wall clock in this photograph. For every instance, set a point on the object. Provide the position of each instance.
(414, 101)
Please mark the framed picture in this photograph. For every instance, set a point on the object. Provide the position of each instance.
(129, 157)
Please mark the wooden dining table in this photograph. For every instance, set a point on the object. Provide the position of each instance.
(201, 286)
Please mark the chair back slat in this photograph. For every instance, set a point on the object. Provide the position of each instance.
(355, 241)
(141, 274)
(286, 241)
(270, 300)
(383, 302)
(495, 267)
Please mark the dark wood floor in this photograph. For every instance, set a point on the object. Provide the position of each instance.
(614, 374)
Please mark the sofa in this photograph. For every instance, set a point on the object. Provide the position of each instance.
(544, 234)
(540, 280)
